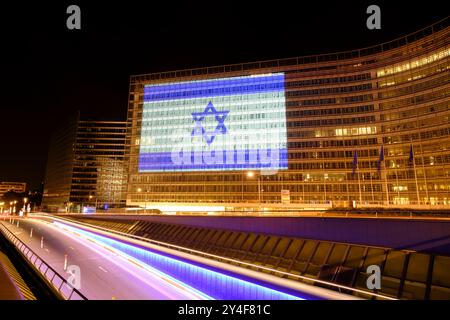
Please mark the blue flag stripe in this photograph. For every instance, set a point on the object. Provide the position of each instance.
(212, 88)
(163, 161)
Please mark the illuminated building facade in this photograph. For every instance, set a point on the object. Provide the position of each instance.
(86, 166)
(12, 186)
(363, 128)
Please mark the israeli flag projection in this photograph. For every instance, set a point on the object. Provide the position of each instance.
(234, 123)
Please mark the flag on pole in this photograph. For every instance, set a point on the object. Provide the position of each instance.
(355, 161)
(381, 159)
(411, 154)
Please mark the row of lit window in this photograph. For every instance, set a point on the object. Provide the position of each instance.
(414, 63)
(329, 111)
(414, 75)
(424, 135)
(416, 112)
(321, 81)
(415, 88)
(411, 125)
(331, 143)
(329, 122)
(329, 91)
(364, 186)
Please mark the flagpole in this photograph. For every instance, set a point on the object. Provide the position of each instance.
(386, 183)
(359, 180)
(371, 183)
(324, 184)
(356, 169)
(424, 174)
(417, 185)
(359, 184)
(415, 174)
(383, 176)
(396, 181)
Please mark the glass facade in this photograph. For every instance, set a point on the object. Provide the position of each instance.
(58, 174)
(86, 166)
(368, 127)
(98, 171)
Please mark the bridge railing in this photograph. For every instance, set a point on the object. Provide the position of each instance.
(53, 278)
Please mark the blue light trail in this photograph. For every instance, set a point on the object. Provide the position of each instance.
(211, 283)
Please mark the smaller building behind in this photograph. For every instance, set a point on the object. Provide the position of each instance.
(6, 186)
(85, 167)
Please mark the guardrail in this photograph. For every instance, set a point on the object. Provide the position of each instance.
(58, 282)
(326, 284)
(364, 213)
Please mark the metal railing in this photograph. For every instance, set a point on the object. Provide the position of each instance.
(342, 213)
(53, 278)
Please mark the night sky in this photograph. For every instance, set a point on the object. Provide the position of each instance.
(48, 71)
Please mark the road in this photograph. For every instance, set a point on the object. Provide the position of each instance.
(105, 274)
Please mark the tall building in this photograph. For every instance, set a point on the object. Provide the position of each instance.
(12, 186)
(86, 166)
(58, 175)
(362, 128)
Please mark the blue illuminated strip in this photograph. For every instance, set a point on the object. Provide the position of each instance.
(211, 283)
(162, 161)
(215, 87)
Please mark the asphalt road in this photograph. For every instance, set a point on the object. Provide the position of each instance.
(105, 274)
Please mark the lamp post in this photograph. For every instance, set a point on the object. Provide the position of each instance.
(139, 190)
(90, 198)
(25, 200)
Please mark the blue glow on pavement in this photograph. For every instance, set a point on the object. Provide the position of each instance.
(211, 283)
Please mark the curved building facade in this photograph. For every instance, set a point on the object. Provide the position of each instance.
(362, 128)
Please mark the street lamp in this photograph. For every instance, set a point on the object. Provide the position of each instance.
(68, 206)
(25, 200)
(139, 190)
(24, 208)
(96, 199)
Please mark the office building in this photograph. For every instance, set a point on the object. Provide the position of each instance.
(362, 128)
(6, 186)
(85, 166)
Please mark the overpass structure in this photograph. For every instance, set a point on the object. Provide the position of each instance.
(82, 261)
(412, 253)
(163, 257)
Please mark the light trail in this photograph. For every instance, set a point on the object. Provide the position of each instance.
(327, 295)
(178, 286)
(221, 281)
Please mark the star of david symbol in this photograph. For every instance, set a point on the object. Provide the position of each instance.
(200, 116)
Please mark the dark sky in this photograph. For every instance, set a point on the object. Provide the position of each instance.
(48, 71)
